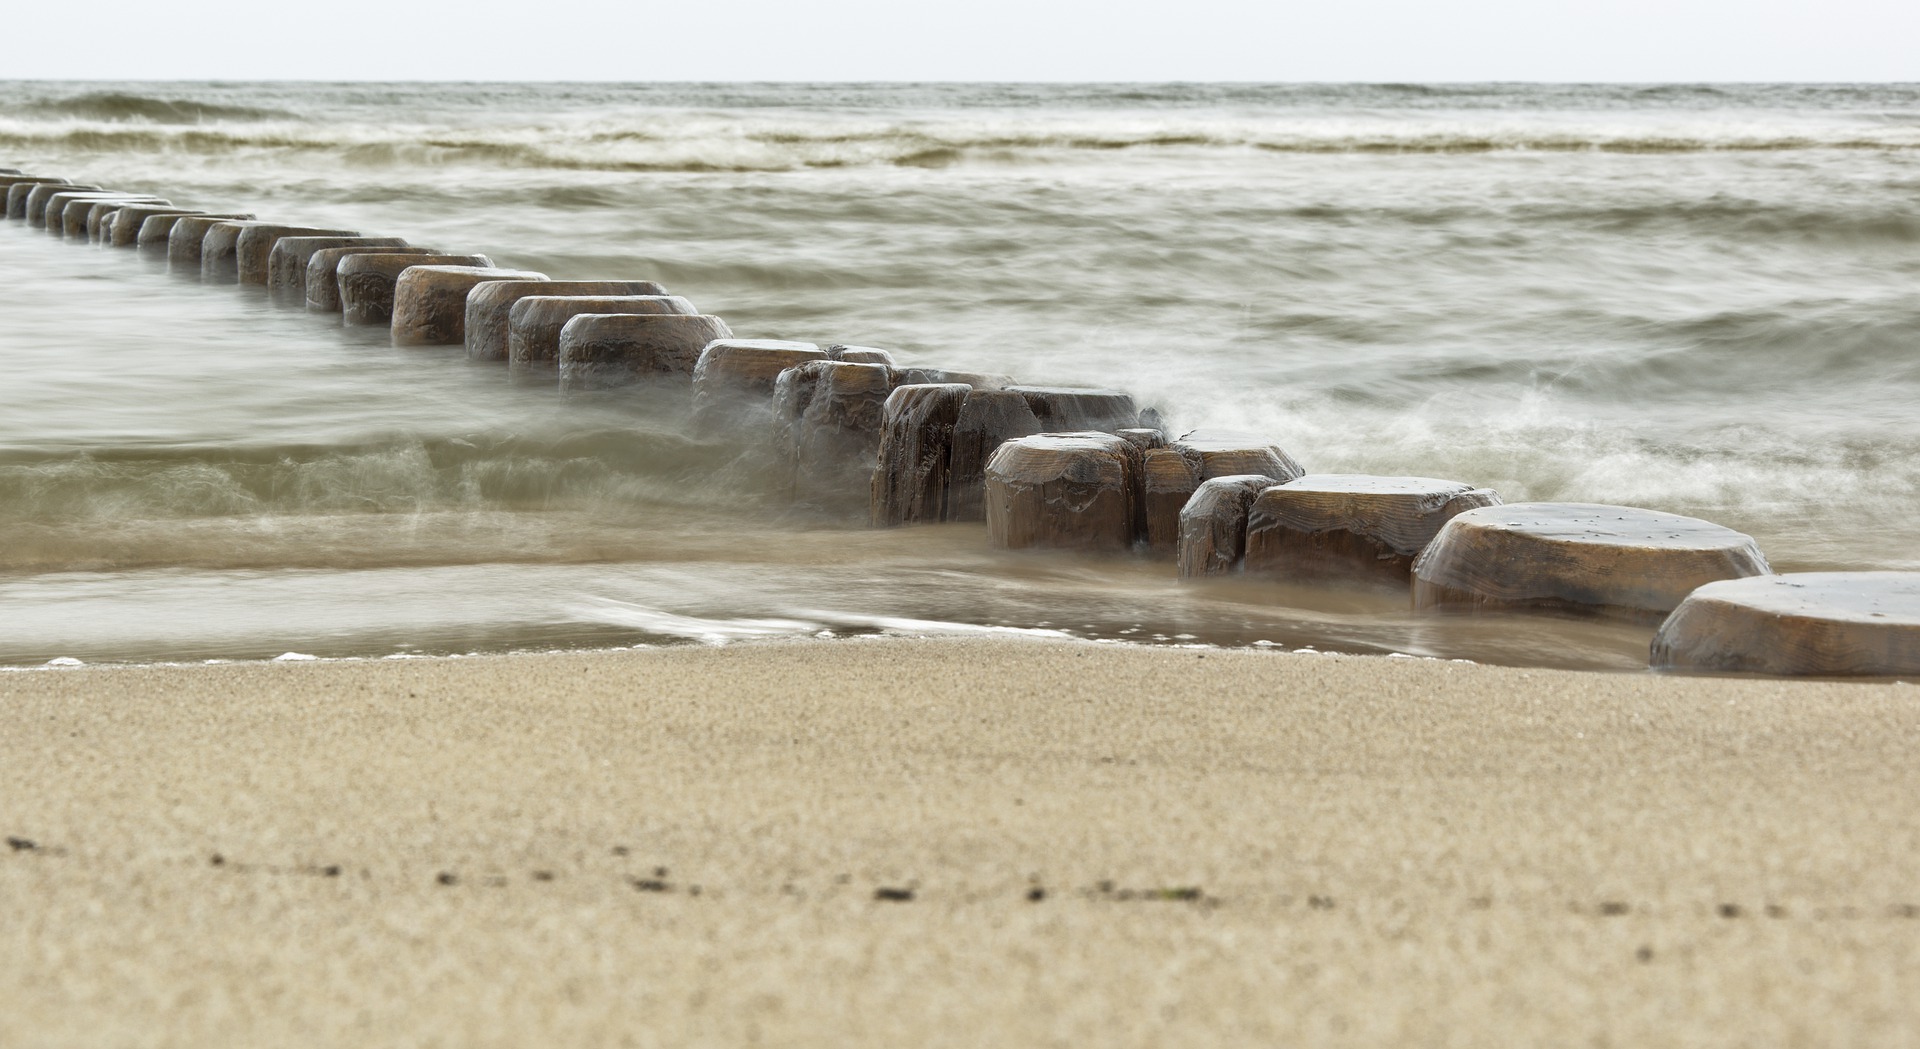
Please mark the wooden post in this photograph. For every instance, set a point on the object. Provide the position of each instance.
(916, 445)
(489, 306)
(1070, 490)
(604, 351)
(1826, 623)
(1353, 527)
(1616, 560)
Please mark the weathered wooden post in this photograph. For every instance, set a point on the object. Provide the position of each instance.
(1213, 524)
(1826, 623)
(1070, 490)
(367, 280)
(489, 306)
(828, 417)
(124, 230)
(430, 302)
(323, 271)
(1353, 527)
(287, 262)
(37, 197)
(910, 478)
(534, 323)
(156, 234)
(1618, 560)
(988, 419)
(604, 351)
(734, 378)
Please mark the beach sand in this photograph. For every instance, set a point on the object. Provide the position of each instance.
(1084, 845)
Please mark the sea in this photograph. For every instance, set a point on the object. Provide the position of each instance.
(1703, 299)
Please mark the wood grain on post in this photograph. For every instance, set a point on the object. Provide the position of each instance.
(156, 233)
(323, 271)
(1617, 560)
(916, 447)
(1069, 409)
(430, 301)
(1353, 527)
(1213, 524)
(1071, 490)
(1825, 623)
(367, 280)
(733, 379)
(534, 323)
(287, 262)
(604, 351)
(988, 419)
(489, 306)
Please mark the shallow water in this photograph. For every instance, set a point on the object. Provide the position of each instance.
(1701, 300)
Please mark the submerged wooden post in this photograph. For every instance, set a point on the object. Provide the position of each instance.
(67, 213)
(603, 351)
(534, 323)
(1353, 527)
(1062, 490)
(287, 262)
(156, 233)
(97, 213)
(733, 379)
(1213, 524)
(1618, 560)
(323, 271)
(829, 416)
(254, 247)
(124, 230)
(14, 190)
(1826, 623)
(916, 446)
(988, 419)
(39, 196)
(430, 302)
(367, 280)
(489, 304)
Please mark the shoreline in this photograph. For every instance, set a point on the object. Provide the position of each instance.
(1225, 845)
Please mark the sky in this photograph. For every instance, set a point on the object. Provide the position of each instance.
(1021, 40)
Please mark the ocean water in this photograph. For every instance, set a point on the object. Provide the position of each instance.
(1697, 299)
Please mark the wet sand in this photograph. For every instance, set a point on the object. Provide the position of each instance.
(953, 842)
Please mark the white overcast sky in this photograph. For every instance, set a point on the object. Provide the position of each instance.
(1368, 40)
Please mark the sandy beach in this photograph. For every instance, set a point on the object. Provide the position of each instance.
(953, 842)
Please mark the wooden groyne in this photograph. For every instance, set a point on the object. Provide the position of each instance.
(856, 433)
